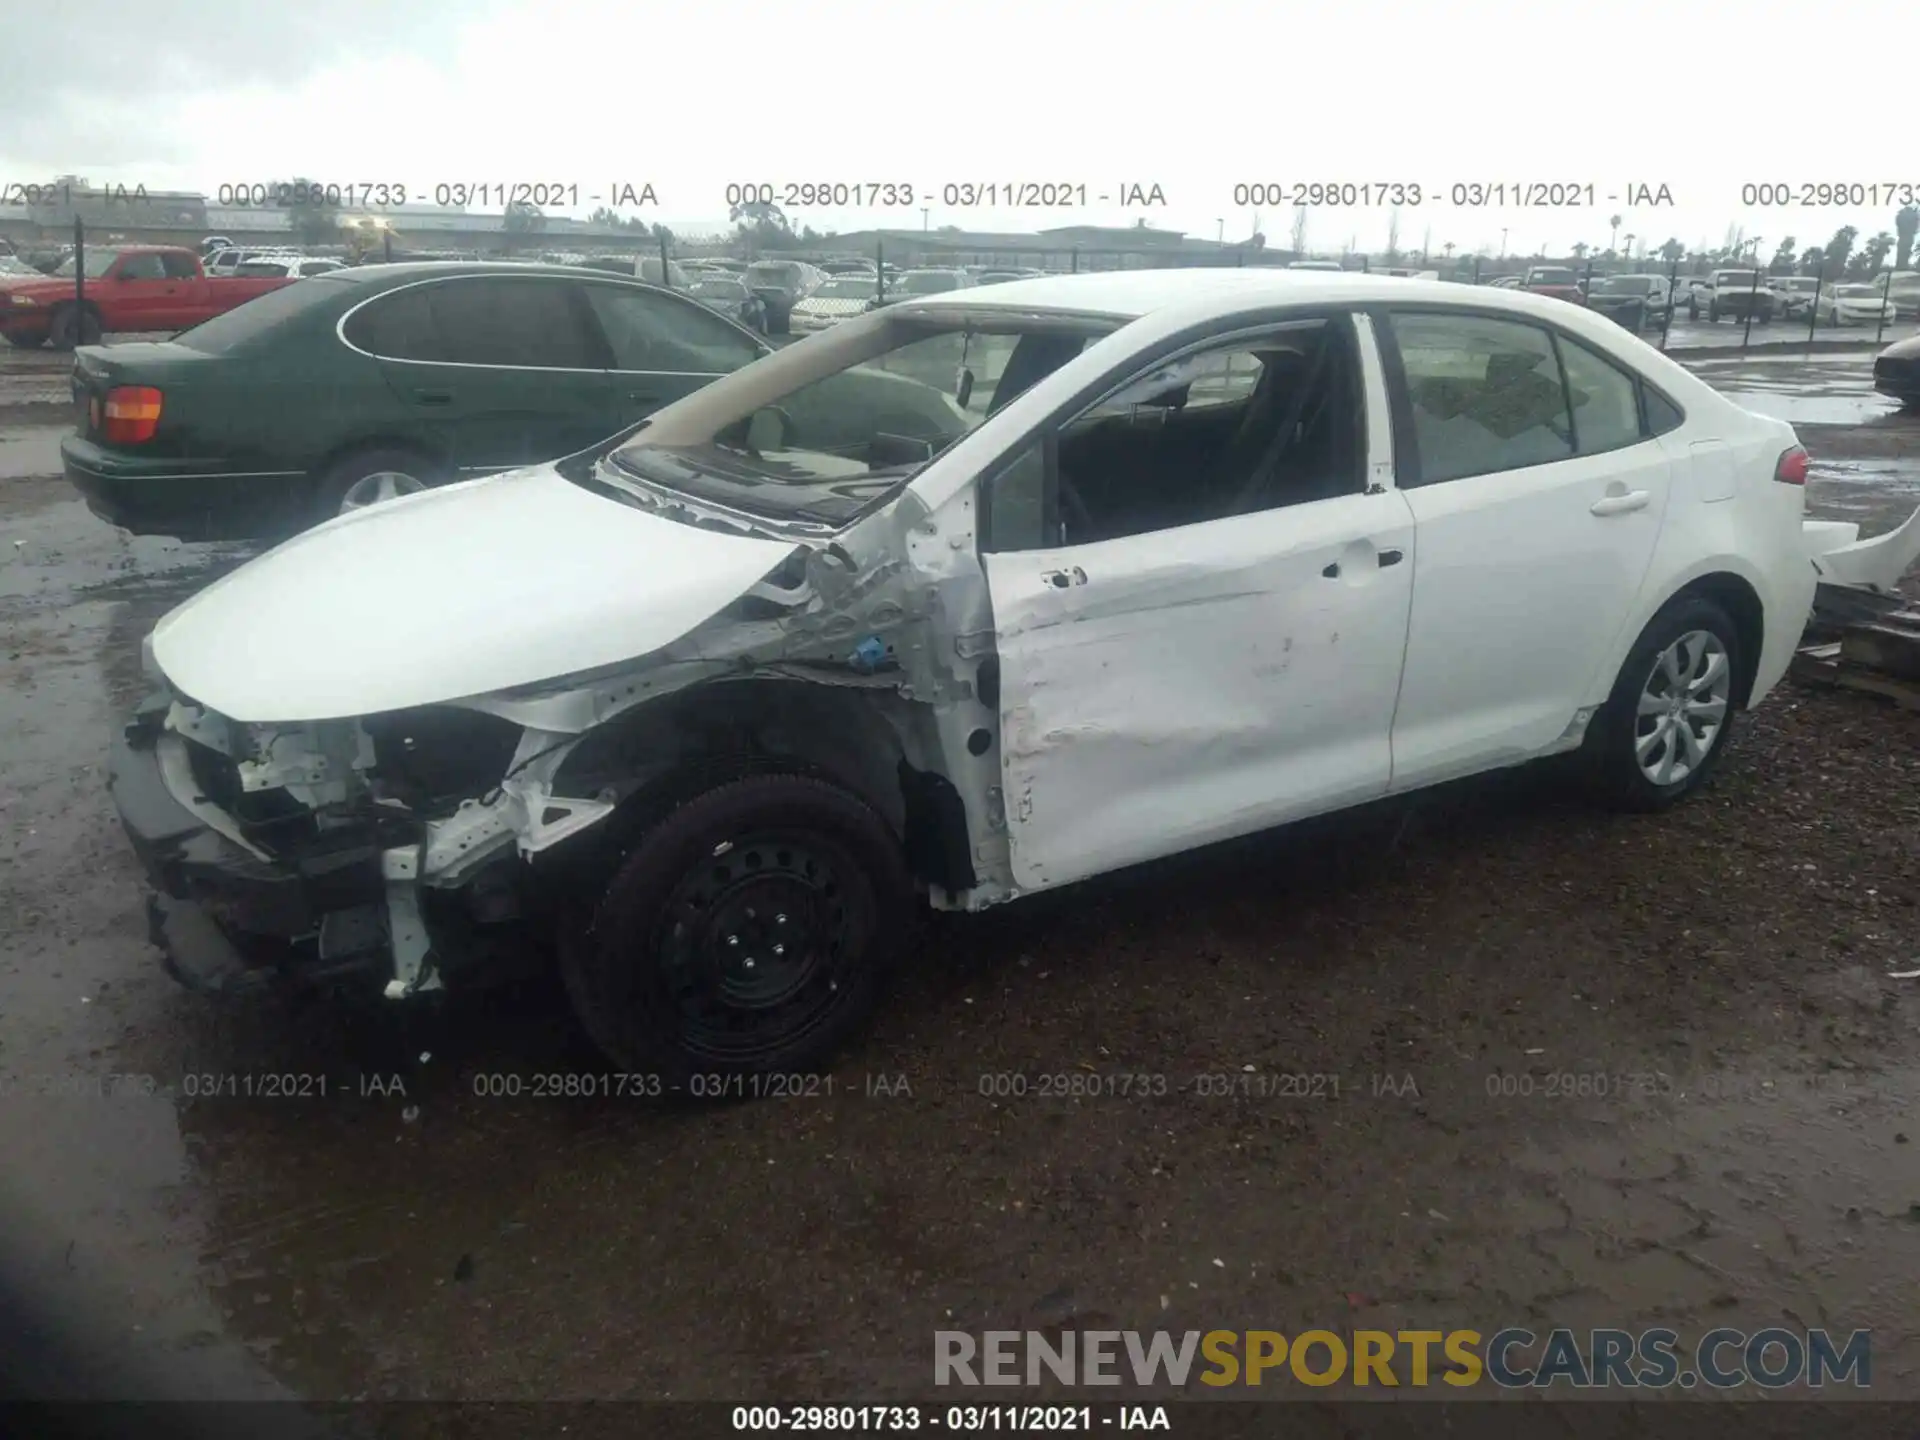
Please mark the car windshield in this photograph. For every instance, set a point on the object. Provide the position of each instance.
(847, 287)
(1857, 292)
(824, 431)
(260, 318)
(98, 263)
(777, 274)
(1735, 277)
(711, 289)
(926, 282)
(651, 270)
(1550, 277)
(1624, 285)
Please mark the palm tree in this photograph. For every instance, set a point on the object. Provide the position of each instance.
(1906, 225)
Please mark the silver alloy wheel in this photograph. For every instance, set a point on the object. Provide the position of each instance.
(1683, 707)
(381, 485)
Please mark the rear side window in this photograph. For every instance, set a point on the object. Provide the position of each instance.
(257, 321)
(395, 327)
(1484, 395)
(1606, 409)
(1662, 414)
(179, 267)
(647, 331)
(522, 323)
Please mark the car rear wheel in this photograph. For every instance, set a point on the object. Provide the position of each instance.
(370, 478)
(1664, 727)
(750, 932)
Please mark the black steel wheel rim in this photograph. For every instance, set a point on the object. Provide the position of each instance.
(757, 941)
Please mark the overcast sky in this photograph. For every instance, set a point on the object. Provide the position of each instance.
(1192, 98)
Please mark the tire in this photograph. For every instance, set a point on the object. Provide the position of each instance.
(1691, 629)
(1693, 311)
(348, 480)
(64, 331)
(650, 973)
(1713, 314)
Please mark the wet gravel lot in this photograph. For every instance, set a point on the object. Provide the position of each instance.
(1548, 1067)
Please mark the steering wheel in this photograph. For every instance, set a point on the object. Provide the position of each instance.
(1074, 506)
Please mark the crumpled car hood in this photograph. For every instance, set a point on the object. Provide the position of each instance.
(455, 592)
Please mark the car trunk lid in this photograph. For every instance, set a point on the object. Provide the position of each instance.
(160, 364)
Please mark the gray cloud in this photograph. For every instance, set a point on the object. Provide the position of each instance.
(89, 82)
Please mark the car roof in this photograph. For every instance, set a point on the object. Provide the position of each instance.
(1204, 294)
(377, 273)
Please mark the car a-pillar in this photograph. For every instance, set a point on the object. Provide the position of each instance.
(743, 908)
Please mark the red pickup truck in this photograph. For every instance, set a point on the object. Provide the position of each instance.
(130, 288)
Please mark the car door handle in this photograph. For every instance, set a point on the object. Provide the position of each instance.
(434, 397)
(1391, 557)
(1621, 504)
(1061, 579)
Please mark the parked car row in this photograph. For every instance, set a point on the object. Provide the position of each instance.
(698, 711)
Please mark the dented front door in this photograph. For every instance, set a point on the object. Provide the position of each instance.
(1169, 689)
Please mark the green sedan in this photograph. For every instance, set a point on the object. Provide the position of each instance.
(361, 385)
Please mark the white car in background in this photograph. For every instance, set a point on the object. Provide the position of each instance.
(229, 261)
(840, 297)
(299, 267)
(1857, 305)
(1161, 558)
(1795, 293)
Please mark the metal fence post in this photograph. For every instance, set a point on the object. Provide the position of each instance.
(879, 269)
(1074, 261)
(666, 264)
(1886, 299)
(1753, 301)
(1673, 301)
(1476, 269)
(79, 279)
(1813, 312)
(1587, 288)
(386, 246)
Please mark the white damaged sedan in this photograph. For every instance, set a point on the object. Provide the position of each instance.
(1161, 558)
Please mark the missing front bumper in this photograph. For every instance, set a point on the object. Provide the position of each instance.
(227, 917)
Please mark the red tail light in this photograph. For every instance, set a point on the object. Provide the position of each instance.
(1792, 468)
(132, 414)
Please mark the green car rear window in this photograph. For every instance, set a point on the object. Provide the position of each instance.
(261, 315)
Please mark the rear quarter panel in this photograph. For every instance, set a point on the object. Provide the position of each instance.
(1750, 528)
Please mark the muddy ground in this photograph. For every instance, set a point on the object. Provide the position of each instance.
(1743, 1152)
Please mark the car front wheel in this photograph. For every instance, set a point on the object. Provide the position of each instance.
(750, 932)
(1662, 730)
(70, 328)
